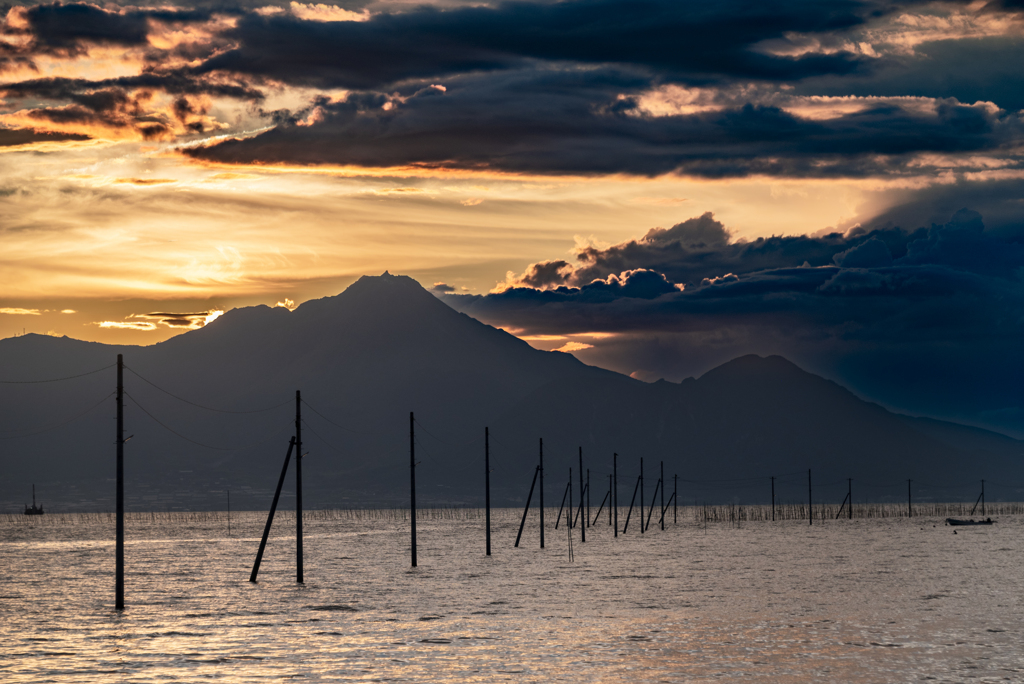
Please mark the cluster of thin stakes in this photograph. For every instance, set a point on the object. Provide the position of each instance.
(572, 520)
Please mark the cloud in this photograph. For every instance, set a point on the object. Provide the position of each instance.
(127, 325)
(15, 311)
(25, 136)
(555, 121)
(149, 321)
(442, 288)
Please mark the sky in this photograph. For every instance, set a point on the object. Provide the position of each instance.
(655, 187)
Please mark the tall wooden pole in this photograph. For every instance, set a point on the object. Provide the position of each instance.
(298, 487)
(487, 485)
(541, 470)
(119, 546)
(270, 516)
(412, 482)
(810, 500)
(615, 490)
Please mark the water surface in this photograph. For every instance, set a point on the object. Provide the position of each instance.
(874, 600)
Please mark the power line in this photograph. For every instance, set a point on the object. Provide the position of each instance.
(69, 377)
(58, 425)
(347, 429)
(192, 441)
(207, 408)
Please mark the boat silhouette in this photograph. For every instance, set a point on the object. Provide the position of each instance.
(33, 509)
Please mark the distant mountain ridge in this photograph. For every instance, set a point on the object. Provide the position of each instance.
(365, 358)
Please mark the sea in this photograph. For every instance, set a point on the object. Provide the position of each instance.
(866, 600)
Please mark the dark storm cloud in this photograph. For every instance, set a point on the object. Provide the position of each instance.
(952, 281)
(174, 83)
(68, 28)
(696, 43)
(23, 136)
(578, 121)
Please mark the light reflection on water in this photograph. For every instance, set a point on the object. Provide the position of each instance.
(878, 600)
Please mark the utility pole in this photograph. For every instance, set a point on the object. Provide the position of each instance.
(583, 528)
(412, 481)
(298, 487)
(541, 470)
(615, 490)
(119, 545)
(487, 484)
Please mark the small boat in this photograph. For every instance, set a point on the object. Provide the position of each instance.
(34, 510)
(972, 521)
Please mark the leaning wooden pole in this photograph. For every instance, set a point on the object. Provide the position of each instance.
(298, 487)
(412, 483)
(270, 516)
(487, 485)
(119, 545)
(629, 513)
(526, 509)
(609, 500)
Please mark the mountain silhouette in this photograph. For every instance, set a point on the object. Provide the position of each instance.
(213, 409)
